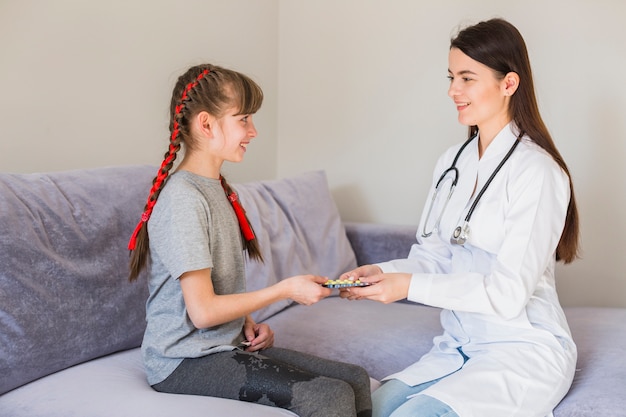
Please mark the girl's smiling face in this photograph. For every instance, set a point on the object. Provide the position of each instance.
(237, 131)
(216, 140)
(231, 135)
(481, 98)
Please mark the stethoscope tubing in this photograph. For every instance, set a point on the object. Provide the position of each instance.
(493, 175)
(455, 170)
(453, 167)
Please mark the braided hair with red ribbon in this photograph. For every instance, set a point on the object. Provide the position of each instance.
(139, 242)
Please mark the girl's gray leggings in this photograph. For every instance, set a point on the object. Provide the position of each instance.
(304, 384)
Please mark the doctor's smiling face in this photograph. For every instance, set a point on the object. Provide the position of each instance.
(481, 97)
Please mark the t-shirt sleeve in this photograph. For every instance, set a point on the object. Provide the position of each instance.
(179, 231)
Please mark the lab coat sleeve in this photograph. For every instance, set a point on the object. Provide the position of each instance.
(538, 195)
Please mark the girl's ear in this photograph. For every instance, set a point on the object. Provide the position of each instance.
(204, 123)
(510, 83)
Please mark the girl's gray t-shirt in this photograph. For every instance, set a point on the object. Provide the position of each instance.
(192, 227)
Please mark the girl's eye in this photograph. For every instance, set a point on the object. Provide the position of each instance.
(244, 119)
(450, 78)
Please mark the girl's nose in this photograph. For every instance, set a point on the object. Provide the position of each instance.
(252, 130)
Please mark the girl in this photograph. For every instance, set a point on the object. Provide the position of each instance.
(486, 250)
(200, 338)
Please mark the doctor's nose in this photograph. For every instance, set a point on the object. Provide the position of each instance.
(457, 87)
(453, 90)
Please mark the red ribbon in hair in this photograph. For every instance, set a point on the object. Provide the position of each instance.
(248, 234)
(163, 173)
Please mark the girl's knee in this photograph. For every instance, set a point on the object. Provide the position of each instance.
(361, 373)
(355, 374)
(334, 390)
(327, 397)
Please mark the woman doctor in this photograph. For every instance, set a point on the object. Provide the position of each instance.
(500, 213)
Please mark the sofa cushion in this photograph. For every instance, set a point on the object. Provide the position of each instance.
(115, 386)
(64, 291)
(374, 243)
(598, 386)
(299, 231)
(382, 338)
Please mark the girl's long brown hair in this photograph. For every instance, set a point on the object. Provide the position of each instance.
(201, 88)
(497, 44)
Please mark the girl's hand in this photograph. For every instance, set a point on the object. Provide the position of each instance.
(306, 289)
(386, 288)
(260, 336)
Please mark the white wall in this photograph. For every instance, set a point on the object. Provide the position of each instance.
(362, 94)
(355, 87)
(87, 83)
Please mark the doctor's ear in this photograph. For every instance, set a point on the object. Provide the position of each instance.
(510, 83)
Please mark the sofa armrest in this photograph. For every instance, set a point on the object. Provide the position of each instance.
(374, 242)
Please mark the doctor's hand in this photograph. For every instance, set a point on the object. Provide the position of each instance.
(385, 288)
(361, 272)
(357, 274)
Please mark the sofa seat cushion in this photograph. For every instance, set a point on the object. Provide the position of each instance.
(382, 338)
(599, 382)
(115, 385)
(385, 338)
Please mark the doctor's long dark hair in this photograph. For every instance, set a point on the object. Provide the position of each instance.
(498, 44)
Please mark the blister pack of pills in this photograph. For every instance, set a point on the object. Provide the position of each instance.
(344, 283)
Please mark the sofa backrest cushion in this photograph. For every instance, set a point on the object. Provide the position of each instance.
(64, 291)
(299, 231)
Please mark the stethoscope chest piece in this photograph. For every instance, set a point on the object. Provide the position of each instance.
(460, 234)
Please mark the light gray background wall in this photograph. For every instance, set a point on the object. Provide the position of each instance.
(87, 83)
(354, 87)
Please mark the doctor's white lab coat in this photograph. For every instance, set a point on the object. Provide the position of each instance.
(497, 291)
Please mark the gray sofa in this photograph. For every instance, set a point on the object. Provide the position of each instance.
(71, 324)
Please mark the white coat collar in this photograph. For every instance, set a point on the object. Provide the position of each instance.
(501, 144)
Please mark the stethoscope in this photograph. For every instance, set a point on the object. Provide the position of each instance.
(461, 233)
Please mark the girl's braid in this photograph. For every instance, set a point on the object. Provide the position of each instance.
(247, 233)
(139, 239)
